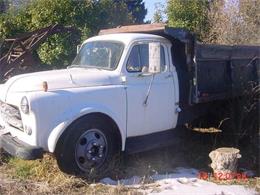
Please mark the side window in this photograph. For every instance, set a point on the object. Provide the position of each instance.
(144, 53)
(139, 57)
(163, 62)
(133, 63)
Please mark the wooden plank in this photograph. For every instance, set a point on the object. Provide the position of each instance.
(134, 28)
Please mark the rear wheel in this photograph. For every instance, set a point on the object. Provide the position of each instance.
(88, 148)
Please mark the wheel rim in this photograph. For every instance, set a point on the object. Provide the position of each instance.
(91, 149)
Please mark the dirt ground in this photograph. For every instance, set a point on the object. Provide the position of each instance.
(43, 176)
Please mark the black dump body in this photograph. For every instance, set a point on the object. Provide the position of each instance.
(224, 71)
(211, 72)
(206, 73)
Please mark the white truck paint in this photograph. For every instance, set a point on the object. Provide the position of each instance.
(75, 92)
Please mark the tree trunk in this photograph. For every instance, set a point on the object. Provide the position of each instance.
(224, 162)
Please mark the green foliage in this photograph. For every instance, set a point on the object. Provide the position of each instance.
(159, 13)
(188, 14)
(120, 14)
(89, 16)
(59, 49)
(137, 9)
(157, 17)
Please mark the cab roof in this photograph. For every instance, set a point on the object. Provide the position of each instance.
(127, 38)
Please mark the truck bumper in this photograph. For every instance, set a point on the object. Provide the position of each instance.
(19, 149)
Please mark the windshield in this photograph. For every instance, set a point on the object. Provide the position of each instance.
(99, 54)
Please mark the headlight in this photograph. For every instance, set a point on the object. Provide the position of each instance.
(25, 105)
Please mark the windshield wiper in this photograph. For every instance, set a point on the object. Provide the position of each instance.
(84, 66)
(76, 66)
(94, 67)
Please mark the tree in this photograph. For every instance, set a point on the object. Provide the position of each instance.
(89, 16)
(136, 9)
(250, 11)
(188, 14)
(112, 14)
(159, 13)
(234, 23)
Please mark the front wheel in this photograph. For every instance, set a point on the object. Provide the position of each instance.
(87, 148)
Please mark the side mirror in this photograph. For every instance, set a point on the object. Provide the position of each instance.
(78, 48)
(154, 58)
(144, 69)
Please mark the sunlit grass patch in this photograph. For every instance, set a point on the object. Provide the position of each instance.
(21, 169)
(44, 176)
(45, 169)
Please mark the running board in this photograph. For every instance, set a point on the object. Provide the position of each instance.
(152, 141)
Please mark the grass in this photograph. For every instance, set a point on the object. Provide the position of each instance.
(44, 177)
(21, 170)
(250, 182)
(40, 170)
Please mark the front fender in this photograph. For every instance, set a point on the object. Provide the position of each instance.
(72, 115)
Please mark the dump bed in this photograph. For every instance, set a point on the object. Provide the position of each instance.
(224, 71)
(205, 72)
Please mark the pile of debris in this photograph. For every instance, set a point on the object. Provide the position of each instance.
(18, 54)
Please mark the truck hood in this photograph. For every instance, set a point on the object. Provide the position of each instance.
(59, 79)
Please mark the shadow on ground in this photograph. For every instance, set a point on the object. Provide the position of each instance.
(191, 152)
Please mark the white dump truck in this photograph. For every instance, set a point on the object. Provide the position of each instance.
(128, 89)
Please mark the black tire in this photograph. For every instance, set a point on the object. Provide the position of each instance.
(77, 136)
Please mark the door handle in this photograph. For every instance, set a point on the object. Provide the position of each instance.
(169, 76)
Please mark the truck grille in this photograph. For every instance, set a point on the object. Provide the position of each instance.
(11, 115)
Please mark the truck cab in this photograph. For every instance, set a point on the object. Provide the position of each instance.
(109, 80)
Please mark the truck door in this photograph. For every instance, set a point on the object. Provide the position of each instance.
(159, 112)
